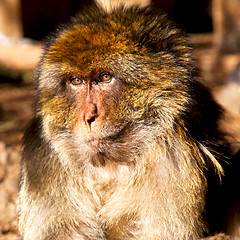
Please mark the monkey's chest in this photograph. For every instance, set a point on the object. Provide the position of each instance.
(116, 196)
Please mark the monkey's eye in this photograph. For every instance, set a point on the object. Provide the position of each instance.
(75, 80)
(106, 78)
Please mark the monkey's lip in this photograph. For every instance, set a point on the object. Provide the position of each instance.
(100, 142)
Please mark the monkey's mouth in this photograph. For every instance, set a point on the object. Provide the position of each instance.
(100, 143)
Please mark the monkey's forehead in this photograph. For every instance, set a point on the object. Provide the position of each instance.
(83, 45)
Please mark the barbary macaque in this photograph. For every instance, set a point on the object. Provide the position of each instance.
(125, 142)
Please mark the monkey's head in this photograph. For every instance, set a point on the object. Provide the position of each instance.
(104, 76)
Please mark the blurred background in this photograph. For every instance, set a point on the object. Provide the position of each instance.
(214, 33)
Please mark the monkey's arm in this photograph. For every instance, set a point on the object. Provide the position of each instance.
(49, 205)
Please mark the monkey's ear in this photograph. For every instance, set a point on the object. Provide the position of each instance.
(110, 5)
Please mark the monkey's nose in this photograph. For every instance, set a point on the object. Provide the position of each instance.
(90, 114)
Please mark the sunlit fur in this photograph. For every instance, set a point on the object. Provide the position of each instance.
(148, 179)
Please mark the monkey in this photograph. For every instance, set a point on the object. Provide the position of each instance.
(126, 141)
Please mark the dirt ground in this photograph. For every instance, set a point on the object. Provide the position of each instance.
(16, 109)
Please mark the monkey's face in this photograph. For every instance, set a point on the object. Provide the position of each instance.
(97, 82)
(94, 96)
(80, 89)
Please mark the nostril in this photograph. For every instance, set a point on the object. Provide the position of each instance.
(91, 120)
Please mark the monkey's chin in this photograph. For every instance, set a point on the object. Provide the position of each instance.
(98, 145)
